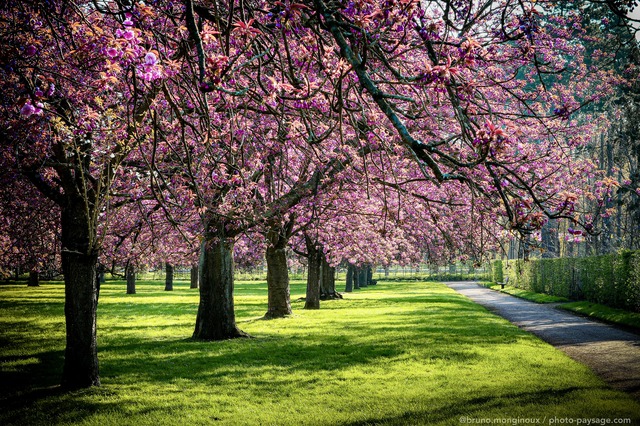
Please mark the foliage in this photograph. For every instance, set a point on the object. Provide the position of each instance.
(398, 353)
(497, 273)
(612, 280)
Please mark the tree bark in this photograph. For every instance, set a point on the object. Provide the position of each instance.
(130, 273)
(216, 317)
(34, 279)
(79, 265)
(194, 276)
(312, 300)
(168, 279)
(328, 282)
(201, 263)
(356, 277)
(362, 279)
(349, 281)
(279, 299)
(370, 275)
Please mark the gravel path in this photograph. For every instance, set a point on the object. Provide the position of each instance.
(612, 354)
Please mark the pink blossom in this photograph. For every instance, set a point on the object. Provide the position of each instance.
(27, 109)
(128, 35)
(112, 52)
(150, 58)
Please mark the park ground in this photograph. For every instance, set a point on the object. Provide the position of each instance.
(398, 353)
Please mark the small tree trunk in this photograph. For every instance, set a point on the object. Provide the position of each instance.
(34, 279)
(101, 270)
(356, 277)
(349, 285)
(168, 279)
(328, 282)
(79, 265)
(362, 272)
(277, 270)
(194, 276)
(279, 300)
(312, 300)
(130, 273)
(370, 275)
(216, 318)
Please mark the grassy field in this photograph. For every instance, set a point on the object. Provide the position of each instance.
(398, 353)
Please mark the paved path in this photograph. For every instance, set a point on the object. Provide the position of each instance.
(611, 353)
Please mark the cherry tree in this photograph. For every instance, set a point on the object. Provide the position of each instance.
(30, 229)
(480, 97)
(77, 89)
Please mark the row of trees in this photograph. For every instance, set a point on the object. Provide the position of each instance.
(364, 131)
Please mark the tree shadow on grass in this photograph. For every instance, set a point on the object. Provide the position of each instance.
(475, 410)
(52, 405)
(43, 373)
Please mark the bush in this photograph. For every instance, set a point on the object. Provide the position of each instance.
(612, 280)
(496, 271)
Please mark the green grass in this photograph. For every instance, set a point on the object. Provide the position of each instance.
(393, 354)
(605, 313)
(528, 295)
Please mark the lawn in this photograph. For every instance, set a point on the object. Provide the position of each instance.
(398, 353)
(605, 313)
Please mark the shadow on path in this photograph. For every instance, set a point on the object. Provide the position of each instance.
(612, 354)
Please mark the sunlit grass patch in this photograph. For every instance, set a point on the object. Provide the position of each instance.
(396, 353)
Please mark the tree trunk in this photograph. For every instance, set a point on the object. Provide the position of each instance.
(328, 282)
(370, 275)
(349, 285)
(34, 279)
(216, 318)
(130, 273)
(101, 278)
(79, 265)
(194, 276)
(279, 301)
(312, 300)
(277, 270)
(168, 279)
(356, 277)
(362, 280)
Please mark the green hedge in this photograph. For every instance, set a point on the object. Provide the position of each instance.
(612, 279)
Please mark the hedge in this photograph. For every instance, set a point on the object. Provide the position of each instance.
(612, 279)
